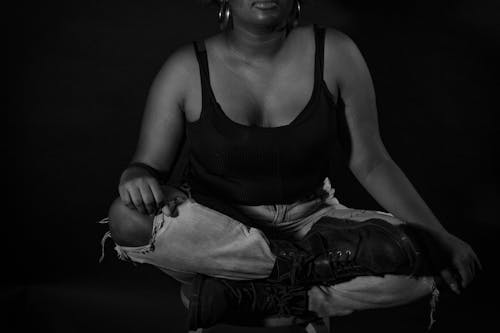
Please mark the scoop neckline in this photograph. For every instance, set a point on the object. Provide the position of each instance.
(302, 114)
(305, 110)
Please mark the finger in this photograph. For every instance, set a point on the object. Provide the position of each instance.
(148, 199)
(472, 268)
(166, 210)
(130, 203)
(124, 196)
(474, 264)
(450, 280)
(464, 273)
(477, 261)
(136, 197)
(157, 193)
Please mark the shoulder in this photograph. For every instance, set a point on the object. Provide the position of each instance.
(335, 40)
(343, 59)
(339, 46)
(176, 77)
(180, 65)
(335, 37)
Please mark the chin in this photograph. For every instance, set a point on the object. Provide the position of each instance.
(268, 19)
(247, 11)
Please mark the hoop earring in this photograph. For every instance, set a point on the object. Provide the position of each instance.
(295, 21)
(294, 17)
(224, 15)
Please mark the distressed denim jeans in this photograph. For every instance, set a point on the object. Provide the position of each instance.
(189, 238)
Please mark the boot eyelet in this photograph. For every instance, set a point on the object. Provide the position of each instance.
(339, 253)
(283, 253)
(348, 252)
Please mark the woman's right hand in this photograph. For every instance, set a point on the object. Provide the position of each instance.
(140, 191)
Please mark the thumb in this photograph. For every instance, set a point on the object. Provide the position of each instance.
(166, 210)
(450, 280)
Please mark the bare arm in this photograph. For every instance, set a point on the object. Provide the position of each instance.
(371, 163)
(162, 126)
(161, 135)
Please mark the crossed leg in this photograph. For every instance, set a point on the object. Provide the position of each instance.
(189, 238)
(366, 292)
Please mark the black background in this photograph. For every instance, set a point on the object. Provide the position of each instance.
(78, 76)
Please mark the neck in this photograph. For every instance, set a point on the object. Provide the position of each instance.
(255, 45)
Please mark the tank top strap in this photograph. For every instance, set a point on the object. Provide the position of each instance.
(319, 38)
(201, 56)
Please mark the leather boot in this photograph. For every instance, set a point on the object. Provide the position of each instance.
(337, 250)
(215, 300)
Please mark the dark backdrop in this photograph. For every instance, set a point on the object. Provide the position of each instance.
(79, 73)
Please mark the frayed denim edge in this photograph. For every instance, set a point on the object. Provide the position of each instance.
(121, 250)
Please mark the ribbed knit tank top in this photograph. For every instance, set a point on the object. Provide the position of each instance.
(252, 165)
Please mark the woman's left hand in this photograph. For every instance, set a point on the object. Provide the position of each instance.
(461, 269)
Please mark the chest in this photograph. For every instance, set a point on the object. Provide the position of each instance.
(269, 95)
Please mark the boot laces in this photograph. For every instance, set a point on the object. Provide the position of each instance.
(303, 266)
(247, 292)
(342, 259)
(278, 299)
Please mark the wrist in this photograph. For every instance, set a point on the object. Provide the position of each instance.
(437, 229)
(147, 169)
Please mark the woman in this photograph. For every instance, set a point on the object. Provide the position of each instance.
(257, 104)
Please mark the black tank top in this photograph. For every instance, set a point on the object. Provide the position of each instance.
(253, 165)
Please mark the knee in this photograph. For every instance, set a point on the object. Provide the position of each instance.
(127, 226)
